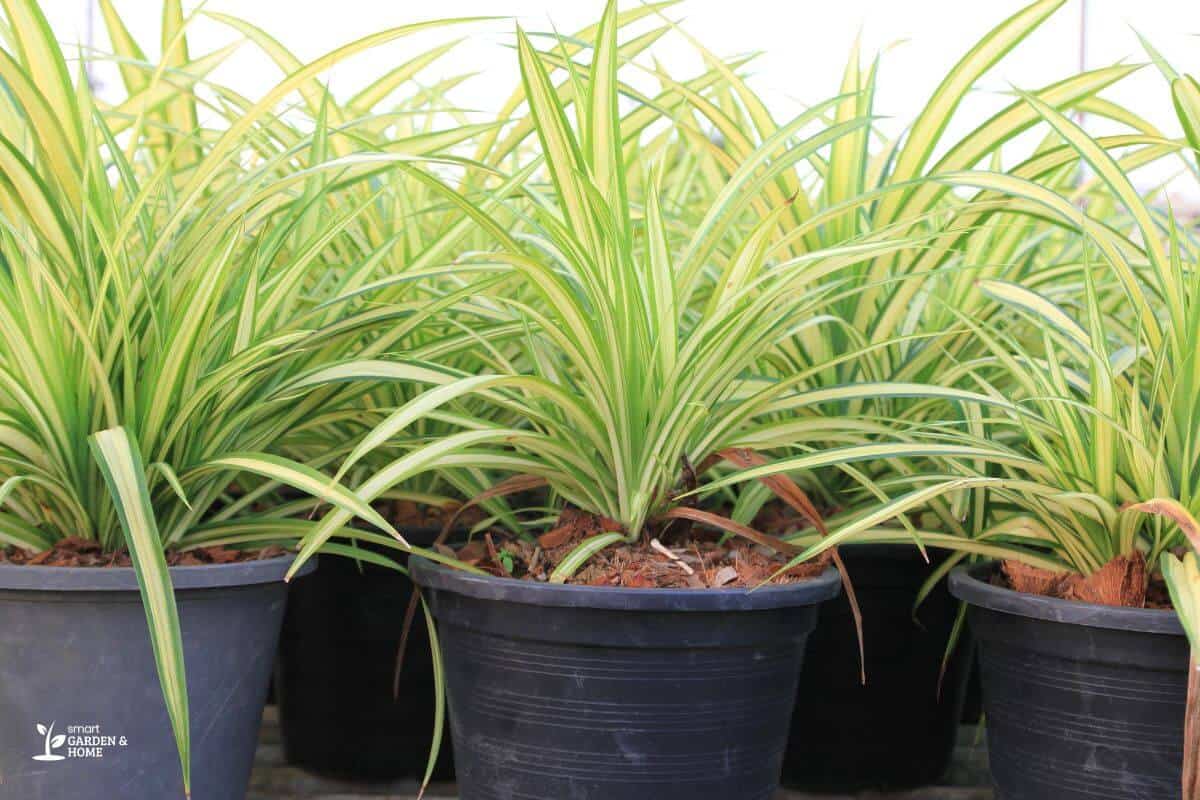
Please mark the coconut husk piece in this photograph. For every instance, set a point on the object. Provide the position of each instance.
(1033, 580)
(1121, 582)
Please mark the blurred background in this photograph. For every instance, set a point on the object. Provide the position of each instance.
(803, 49)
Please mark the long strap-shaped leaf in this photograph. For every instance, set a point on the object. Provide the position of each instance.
(926, 132)
(121, 462)
(1186, 94)
(790, 492)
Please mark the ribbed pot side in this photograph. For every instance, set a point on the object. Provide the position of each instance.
(598, 693)
(75, 654)
(341, 710)
(1081, 701)
(897, 730)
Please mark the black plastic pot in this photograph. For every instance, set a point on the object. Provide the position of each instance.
(81, 712)
(1082, 701)
(897, 731)
(596, 693)
(972, 712)
(334, 680)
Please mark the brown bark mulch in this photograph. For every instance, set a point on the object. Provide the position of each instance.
(78, 552)
(695, 559)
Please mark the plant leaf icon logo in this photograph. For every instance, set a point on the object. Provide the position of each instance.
(50, 742)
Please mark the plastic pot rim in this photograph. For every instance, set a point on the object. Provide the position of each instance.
(969, 583)
(26, 578)
(430, 575)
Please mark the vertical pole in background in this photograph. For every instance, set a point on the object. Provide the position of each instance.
(1083, 42)
(1080, 117)
(89, 34)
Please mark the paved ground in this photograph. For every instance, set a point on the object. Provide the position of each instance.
(275, 780)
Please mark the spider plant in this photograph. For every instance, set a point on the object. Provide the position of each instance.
(625, 381)
(1089, 393)
(407, 219)
(1108, 399)
(415, 228)
(894, 331)
(154, 285)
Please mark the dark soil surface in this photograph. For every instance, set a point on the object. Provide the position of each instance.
(406, 513)
(77, 552)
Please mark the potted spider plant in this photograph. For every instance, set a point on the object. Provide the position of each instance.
(624, 651)
(154, 291)
(1092, 403)
(355, 676)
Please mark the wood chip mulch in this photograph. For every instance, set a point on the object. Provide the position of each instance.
(78, 552)
(697, 559)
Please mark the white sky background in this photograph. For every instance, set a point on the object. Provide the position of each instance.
(804, 45)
